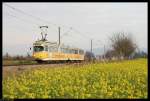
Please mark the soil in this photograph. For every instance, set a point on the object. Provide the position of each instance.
(15, 70)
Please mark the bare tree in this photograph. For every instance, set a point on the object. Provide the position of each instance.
(122, 45)
(28, 56)
(89, 56)
(6, 56)
(109, 54)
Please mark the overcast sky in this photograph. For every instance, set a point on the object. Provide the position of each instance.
(96, 21)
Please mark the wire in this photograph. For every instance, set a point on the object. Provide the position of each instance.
(22, 19)
(39, 19)
(75, 41)
(75, 30)
(81, 36)
(80, 33)
(72, 38)
(66, 33)
(18, 10)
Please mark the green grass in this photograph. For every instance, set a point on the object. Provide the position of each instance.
(126, 79)
(17, 62)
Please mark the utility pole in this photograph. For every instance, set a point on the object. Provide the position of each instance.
(59, 35)
(104, 51)
(59, 39)
(91, 45)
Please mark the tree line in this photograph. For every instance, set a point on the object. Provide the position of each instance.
(122, 47)
(7, 56)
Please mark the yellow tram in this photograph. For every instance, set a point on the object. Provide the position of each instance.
(44, 50)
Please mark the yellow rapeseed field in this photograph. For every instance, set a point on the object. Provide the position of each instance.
(126, 79)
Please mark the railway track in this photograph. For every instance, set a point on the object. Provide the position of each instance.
(42, 64)
(25, 64)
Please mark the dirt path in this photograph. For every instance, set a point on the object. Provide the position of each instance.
(14, 70)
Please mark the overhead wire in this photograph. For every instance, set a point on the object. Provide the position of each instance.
(66, 33)
(28, 14)
(39, 19)
(22, 19)
(18, 10)
(71, 38)
(75, 41)
(81, 33)
(45, 20)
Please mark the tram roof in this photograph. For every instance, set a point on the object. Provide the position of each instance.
(40, 42)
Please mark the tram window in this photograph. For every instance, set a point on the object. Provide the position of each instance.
(52, 49)
(70, 51)
(46, 48)
(65, 50)
(73, 51)
(38, 48)
(76, 51)
(62, 50)
(81, 51)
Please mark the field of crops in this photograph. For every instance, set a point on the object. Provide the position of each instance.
(126, 79)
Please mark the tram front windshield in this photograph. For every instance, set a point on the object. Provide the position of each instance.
(38, 48)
